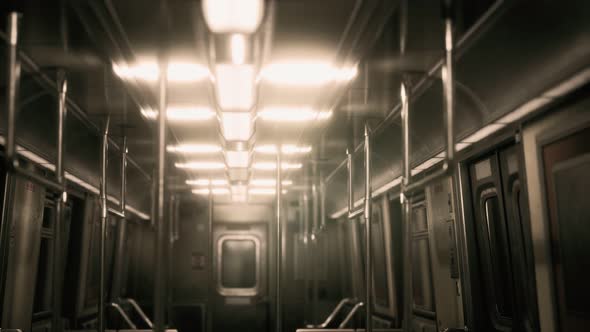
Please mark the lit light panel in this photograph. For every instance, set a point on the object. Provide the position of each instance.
(149, 71)
(306, 73)
(234, 87)
(214, 191)
(225, 16)
(292, 114)
(238, 49)
(268, 182)
(194, 148)
(206, 182)
(201, 165)
(236, 126)
(239, 159)
(181, 114)
(285, 149)
(265, 166)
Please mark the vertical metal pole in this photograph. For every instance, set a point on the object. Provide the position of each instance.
(103, 226)
(306, 243)
(448, 82)
(349, 181)
(279, 244)
(60, 202)
(211, 253)
(160, 214)
(314, 244)
(12, 86)
(406, 230)
(369, 240)
(123, 201)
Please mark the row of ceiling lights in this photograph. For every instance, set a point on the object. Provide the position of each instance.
(233, 24)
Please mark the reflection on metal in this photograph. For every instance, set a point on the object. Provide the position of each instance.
(12, 86)
(335, 312)
(103, 225)
(126, 318)
(279, 244)
(211, 276)
(252, 291)
(160, 201)
(368, 236)
(139, 311)
(351, 314)
(60, 204)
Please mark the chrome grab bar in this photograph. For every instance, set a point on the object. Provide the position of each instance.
(123, 314)
(334, 312)
(351, 314)
(139, 311)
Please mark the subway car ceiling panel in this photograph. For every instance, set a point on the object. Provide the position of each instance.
(294, 165)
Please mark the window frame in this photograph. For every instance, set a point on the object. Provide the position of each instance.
(230, 291)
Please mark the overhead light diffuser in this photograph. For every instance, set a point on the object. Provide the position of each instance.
(240, 159)
(292, 114)
(239, 193)
(268, 182)
(224, 16)
(149, 71)
(285, 149)
(234, 87)
(194, 148)
(261, 191)
(266, 166)
(201, 165)
(214, 191)
(238, 49)
(206, 182)
(306, 73)
(236, 126)
(181, 114)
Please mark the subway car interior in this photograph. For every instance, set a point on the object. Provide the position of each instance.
(295, 165)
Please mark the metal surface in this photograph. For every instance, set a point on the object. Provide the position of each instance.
(368, 236)
(407, 263)
(351, 314)
(13, 81)
(139, 311)
(60, 204)
(104, 212)
(124, 153)
(335, 312)
(123, 315)
(279, 247)
(252, 291)
(160, 201)
(210, 251)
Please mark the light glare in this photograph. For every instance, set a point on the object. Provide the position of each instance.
(234, 86)
(194, 148)
(268, 166)
(201, 165)
(179, 114)
(149, 71)
(306, 73)
(292, 114)
(238, 49)
(236, 126)
(214, 191)
(285, 149)
(206, 182)
(224, 16)
(268, 182)
(239, 159)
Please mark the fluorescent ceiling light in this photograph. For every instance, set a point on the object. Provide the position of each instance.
(214, 191)
(206, 182)
(180, 114)
(201, 165)
(292, 114)
(239, 159)
(234, 87)
(268, 182)
(194, 148)
(224, 16)
(306, 73)
(149, 71)
(239, 193)
(285, 149)
(238, 49)
(264, 166)
(261, 191)
(236, 126)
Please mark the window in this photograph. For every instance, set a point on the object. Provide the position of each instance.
(500, 261)
(423, 295)
(239, 265)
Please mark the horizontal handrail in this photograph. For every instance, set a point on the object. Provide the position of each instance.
(351, 314)
(116, 212)
(140, 311)
(37, 178)
(126, 318)
(336, 310)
